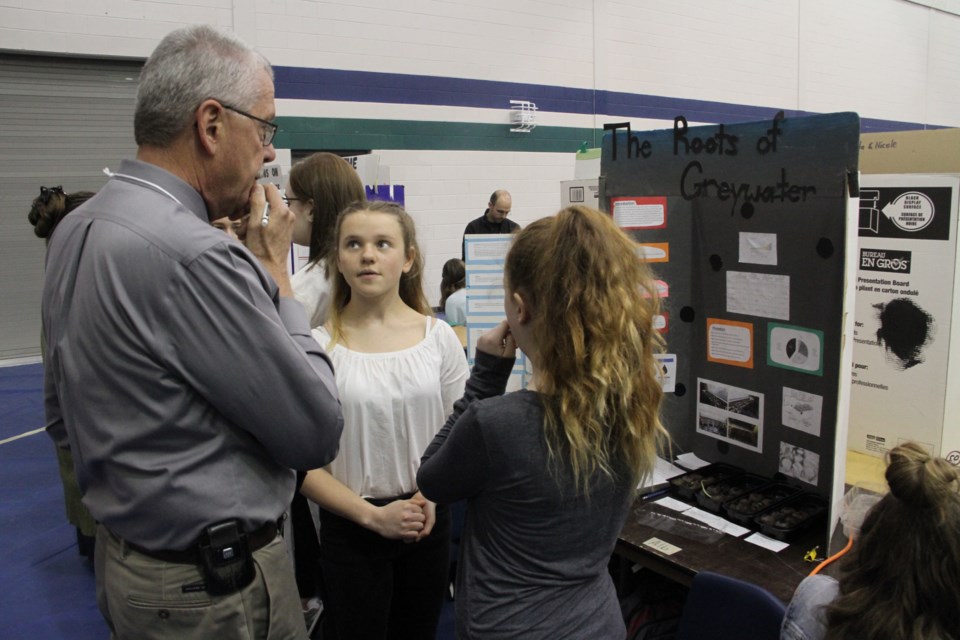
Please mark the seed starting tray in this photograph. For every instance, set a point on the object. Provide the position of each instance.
(688, 484)
(711, 497)
(791, 516)
(744, 508)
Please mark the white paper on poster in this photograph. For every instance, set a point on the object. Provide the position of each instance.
(650, 253)
(758, 248)
(802, 410)
(485, 278)
(795, 348)
(272, 173)
(758, 294)
(633, 215)
(900, 374)
(799, 463)
(484, 304)
(486, 248)
(729, 342)
(730, 414)
(668, 369)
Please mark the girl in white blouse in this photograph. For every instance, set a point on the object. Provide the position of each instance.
(384, 548)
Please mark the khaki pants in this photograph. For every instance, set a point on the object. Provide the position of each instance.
(144, 598)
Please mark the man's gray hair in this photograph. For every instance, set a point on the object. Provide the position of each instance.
(189, 66)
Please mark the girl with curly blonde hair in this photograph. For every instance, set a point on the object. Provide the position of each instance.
(549, 473)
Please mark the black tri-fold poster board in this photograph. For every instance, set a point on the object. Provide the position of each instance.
(747, 228)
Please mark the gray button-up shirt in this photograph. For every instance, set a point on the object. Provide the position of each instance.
(188, 387)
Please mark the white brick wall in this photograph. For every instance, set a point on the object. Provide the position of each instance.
(741, 51)
(888, 59)
(444, 190)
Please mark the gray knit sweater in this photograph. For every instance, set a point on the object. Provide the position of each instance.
(533, 557)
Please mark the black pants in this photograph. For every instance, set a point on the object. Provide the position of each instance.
(380, 589)
(306, 547)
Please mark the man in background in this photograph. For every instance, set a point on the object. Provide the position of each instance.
(493, 220)
(180, 362)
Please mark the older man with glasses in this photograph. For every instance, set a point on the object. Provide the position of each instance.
(180, 366)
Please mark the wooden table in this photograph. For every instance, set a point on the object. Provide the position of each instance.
(700, 550)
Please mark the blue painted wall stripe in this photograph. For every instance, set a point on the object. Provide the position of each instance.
(395, 88)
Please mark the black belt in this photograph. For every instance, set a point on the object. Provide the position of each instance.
(382, 502)
(256, 540)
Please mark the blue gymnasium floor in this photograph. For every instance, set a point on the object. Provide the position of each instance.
(47, 587)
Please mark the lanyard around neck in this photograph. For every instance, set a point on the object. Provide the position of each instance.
(147, 183)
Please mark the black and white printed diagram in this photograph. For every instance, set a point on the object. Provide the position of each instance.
(802, 411)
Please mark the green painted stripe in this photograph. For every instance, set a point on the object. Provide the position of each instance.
(355, 133)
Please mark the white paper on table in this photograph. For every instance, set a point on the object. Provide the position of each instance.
(661, 473)
(716, 522)
(767, 543)
(673, 503)
(691, 461)
(663, 470)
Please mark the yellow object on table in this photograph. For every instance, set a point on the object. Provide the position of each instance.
(863, 468)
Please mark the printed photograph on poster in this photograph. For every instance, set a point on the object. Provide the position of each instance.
(758, 294)
(632, 214)
(730, 413)
(802, 411)
(712, 421)
(795, 348)
(668, 371)
(758, 248)
(799, 463)
(730, 342)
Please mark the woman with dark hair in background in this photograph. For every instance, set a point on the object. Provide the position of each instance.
(46, 212)
(549, 473)
(453, 292)
(319, 187)
(901, 580)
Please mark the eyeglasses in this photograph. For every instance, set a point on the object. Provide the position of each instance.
(287, 200)
(268, 129)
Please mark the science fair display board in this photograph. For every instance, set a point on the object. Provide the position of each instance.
(750, 231)
(906, 354)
